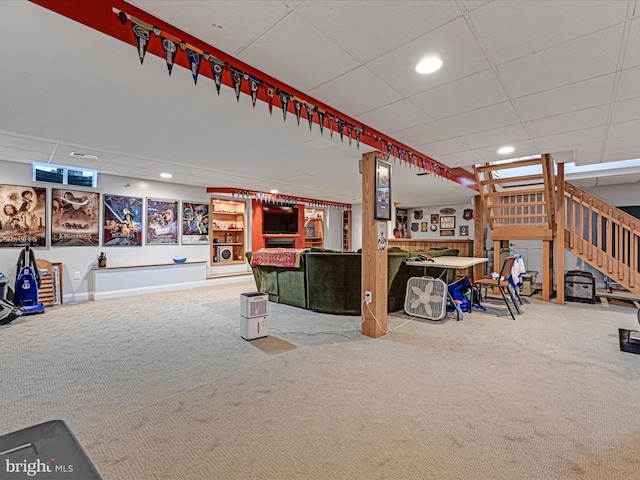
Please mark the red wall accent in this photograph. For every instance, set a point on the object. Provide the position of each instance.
(257, 240)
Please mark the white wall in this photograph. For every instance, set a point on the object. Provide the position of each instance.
(426, 218)
(332, 218)
(82, 259)
(356, 227)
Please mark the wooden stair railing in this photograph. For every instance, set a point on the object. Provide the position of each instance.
(519, 207)
(604, 236)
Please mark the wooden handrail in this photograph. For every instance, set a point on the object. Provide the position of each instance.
(614, 250)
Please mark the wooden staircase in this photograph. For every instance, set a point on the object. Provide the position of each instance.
(602, 235)
(539, 206)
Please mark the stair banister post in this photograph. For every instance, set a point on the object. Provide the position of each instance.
(560, 234)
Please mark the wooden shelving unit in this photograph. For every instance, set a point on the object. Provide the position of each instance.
(313, 228)
(50, 290)
(346, 230)
(227, 220)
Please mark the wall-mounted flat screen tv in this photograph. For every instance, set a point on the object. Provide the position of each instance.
(279, 220)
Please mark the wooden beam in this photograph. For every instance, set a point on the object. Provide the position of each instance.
(504, 166)
(374, 261)
(547, 270)
(560, 235)
(522, 232)
(512, 191)
(479, 238)
(520, 179)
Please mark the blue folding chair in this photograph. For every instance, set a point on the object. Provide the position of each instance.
(462, 297)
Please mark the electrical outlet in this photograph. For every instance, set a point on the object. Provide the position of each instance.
(76, 275)
(367, 296)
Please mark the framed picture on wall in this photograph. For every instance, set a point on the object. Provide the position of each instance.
(382, 194)
(447, 222)
(447, 233)
(195, 223)
(122, 220)
(23, 211)
(162, 222)
(435, 218)
(464, 230)
(74, 218)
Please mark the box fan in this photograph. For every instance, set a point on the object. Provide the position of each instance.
(426, 298)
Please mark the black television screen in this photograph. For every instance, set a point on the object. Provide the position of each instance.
(280, 220)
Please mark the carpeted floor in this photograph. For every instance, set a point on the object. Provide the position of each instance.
(163, 387)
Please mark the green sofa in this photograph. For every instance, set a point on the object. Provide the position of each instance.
(329, 281)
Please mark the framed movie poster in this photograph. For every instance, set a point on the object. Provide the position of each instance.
(22, 212)
(74, 218)
(162, 222)
(382, 190)
(122, 217)
(195, 223)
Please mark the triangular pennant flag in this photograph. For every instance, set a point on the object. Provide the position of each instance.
(297, 106)
(236, 76)
(217, 68)
(332, 120)
(310, 109)
(142, 34)
(271, 92)
(170, 48)
(321, 120)
(341, 129)
(254, 83)
(194, 61)
(358, 132)
(284, 100)
(349, 133)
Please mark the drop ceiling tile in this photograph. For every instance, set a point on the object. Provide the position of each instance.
(10, 153)
(588, 158)
(138, 162)
(226, 25)
(349, 24)
(623, 142)
(624, 129)
(482, 119)
(522, 149)
(296, 53)
(569, 139)
(496, 137)
(444, 147)
(632, 56)
(453, 43)
(591, 147)
(473, 4)
(619, 179)
(590, 117)
(629, 84)
(457, 159)
(395, 116)
(631, 153)
(625, 111)
(584, 182)
(518, 28)
(469, 93)
(577, 96)
(356, 92)
(421, 134)
(23, 142)
(575, 61)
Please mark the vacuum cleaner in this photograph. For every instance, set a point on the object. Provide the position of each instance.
(27, 282)
(8, 311)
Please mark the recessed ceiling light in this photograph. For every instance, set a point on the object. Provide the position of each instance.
(84, 155)
(274, 191)
(166, 175)
(506, 150)
(429, 65)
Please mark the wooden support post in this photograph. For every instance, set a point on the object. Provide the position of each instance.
(374, 261)
(478, 236)
(547, 269)
(560, 234)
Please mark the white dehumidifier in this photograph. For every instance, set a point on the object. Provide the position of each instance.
(254, 315)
